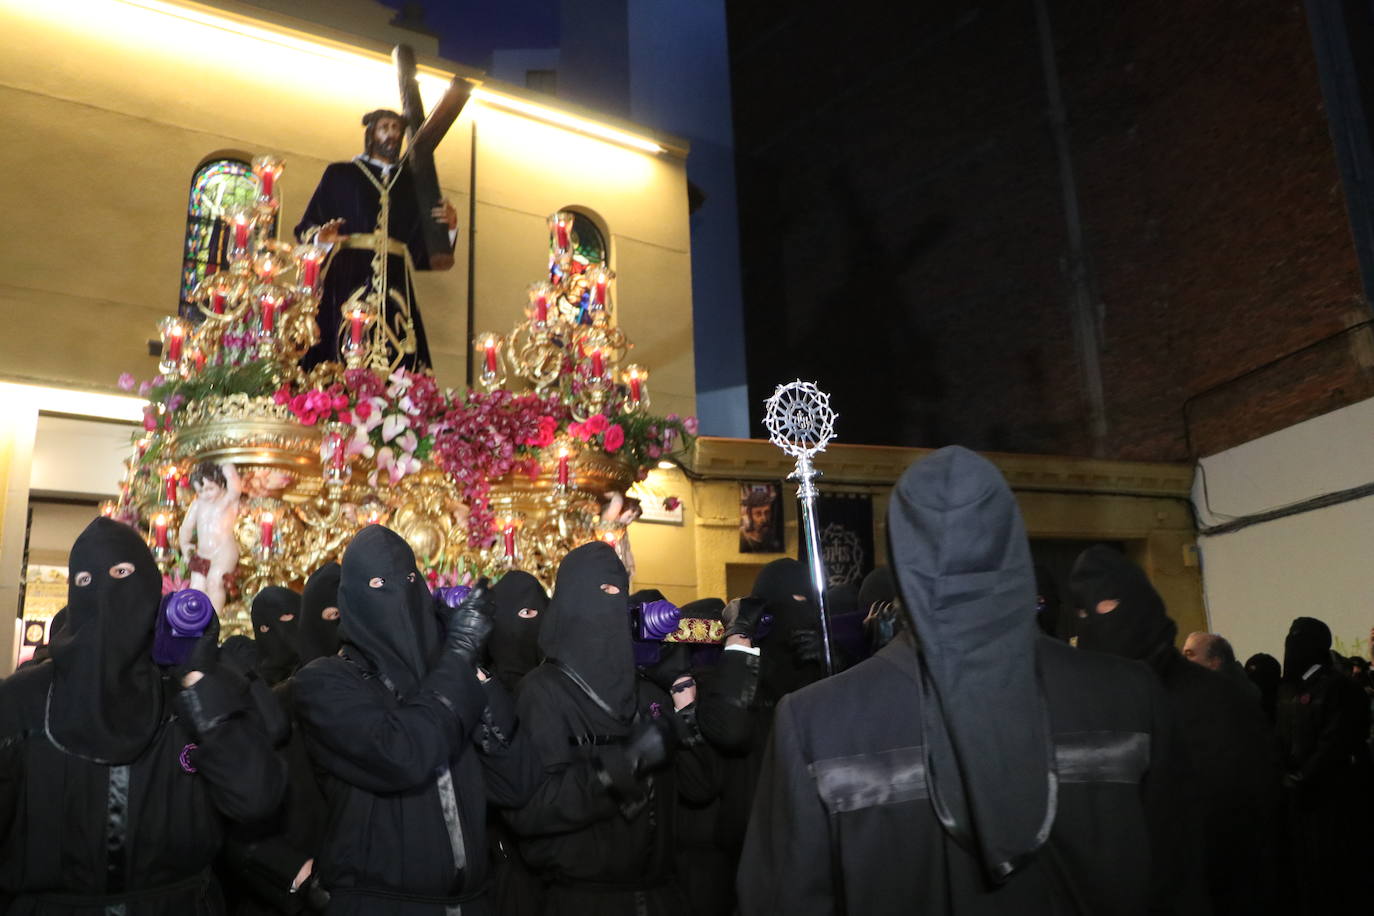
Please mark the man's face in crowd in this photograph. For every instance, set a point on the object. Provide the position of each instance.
(385, 140)
(1195, 649)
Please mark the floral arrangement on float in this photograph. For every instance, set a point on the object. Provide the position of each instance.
(512, 472)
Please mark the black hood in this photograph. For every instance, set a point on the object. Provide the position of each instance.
(1139, 627)
(514, 642)
(276, 639)
(317, 637)
(963, 566)
(1308, 644)
(390, 624)
(790, 653)
(107, 690)
(587, 631)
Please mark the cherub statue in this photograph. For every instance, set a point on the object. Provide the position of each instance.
(210, 521)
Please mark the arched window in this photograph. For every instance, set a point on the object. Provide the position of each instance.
(217, 184)
(589, 244)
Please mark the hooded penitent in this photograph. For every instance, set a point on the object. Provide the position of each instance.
(275, 637)
(386, 614)
(106, 701)
(317, 636)
(514, 641)
(704, 655)
(1308, 644)
(586, 629)
(792, 653)
(963, 567)
(1138, 626)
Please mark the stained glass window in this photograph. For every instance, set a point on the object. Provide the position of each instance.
(589, 245)
(217, 184)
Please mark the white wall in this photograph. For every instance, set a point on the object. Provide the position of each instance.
(1315, 564)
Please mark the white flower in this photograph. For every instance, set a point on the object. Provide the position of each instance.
(394, 425)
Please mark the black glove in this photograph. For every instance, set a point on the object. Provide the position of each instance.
(746, 622)
(806, 646)
(674, 662)
(469, 624)
(619, 769)
(241, 654)
(314, 893)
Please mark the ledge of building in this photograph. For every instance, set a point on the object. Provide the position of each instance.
(880, 466)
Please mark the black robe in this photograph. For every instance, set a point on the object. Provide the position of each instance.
(393, 725)
(115, 785)
(1234, 784)
(344, 192)
(598, 844)
(843, 822)
(62, 836)
(1322, 724)
(592, 856)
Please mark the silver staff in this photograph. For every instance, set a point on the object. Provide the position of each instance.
(801, 423)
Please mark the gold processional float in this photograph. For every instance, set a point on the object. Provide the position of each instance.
(513, 474)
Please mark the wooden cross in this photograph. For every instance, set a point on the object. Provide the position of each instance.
(422, 136)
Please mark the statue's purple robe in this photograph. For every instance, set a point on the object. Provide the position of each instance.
(344, 192)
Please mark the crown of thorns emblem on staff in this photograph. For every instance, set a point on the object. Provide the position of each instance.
(799, 419)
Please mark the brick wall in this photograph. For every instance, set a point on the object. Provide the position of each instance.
(903, 223)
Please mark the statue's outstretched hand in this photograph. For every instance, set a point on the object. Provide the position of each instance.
(331, 232)
(445, 213)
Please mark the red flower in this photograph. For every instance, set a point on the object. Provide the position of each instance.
(282, 395)
(615, 437)
(363, 410)
(579, 431)
(671, 503)
(597, 424)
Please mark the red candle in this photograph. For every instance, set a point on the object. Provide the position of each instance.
(269, 313)
(171, 487)
(336, 447)
(599, 289)
(598, 364)
(564, 239)
(268, 180)
(240, 233)
(355, 328)
(563, 468)
(267, 530)
(198, 357)
(160, 531)
(312, 272)
(510, 540)
(541, 308)
(143, 445)
(217, 302)
(490, 348)
(174, 338)
(636, 388)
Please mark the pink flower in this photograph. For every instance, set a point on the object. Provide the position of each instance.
(175, 401)
(144, 388)
(690, 424)
(339, 402)
(579, 431)
(363, 410)
(654, 451)
(671, 503)
(615, 438)
(127, 381)
(597, 424)
(282, 395)
(345, 417)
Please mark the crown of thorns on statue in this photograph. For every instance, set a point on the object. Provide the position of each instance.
(758, 496)
(372, 117)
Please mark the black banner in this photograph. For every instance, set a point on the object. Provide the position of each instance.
(846, 528)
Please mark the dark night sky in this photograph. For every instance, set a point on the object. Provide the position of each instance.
(470, 29)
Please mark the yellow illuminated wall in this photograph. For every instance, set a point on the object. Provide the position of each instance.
(112, 105)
